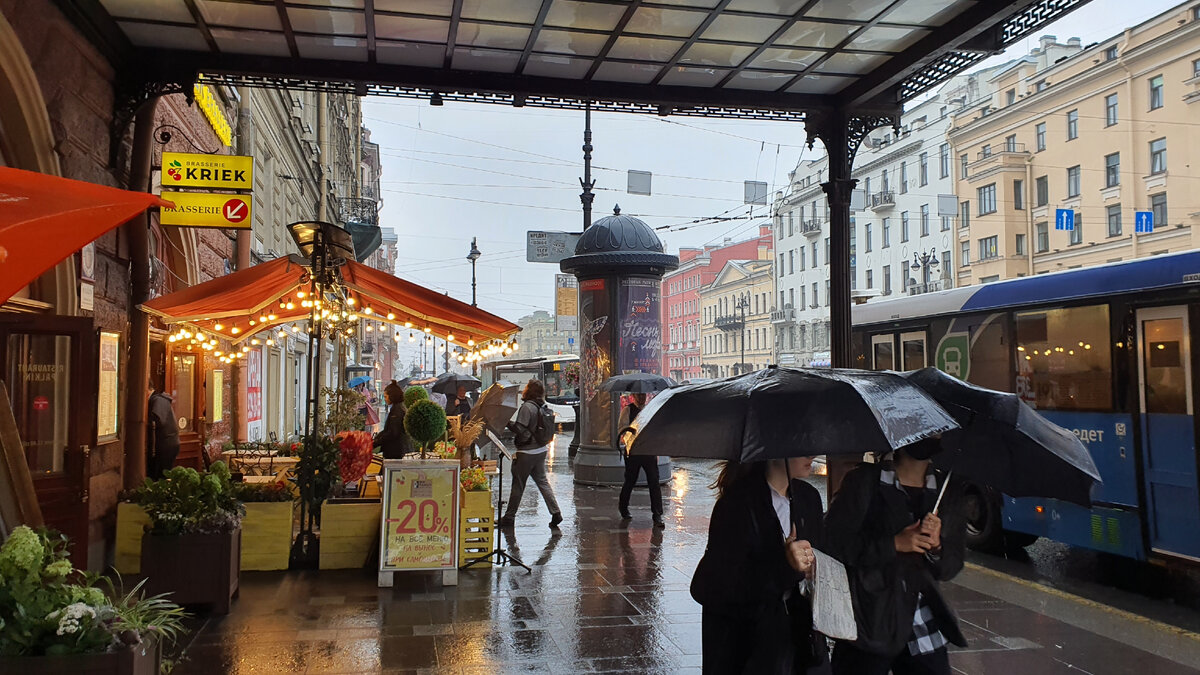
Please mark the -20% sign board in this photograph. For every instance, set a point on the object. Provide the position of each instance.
(424, 517)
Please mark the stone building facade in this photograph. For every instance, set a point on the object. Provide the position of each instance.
(736, 333)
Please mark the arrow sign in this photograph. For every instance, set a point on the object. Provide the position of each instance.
(235, 210)
(1064, 219)
(1143, 221)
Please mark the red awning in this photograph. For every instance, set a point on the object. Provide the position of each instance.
(44, 219)
(249, 301)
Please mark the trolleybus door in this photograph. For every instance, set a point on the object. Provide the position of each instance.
(912, 350)
(1168, 432)
(883, 352)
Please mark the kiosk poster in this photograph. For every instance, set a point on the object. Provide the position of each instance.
(420, 516)
(641, 326)
(595, 362)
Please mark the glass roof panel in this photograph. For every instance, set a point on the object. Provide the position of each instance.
(854, 64)
(814, 34)
(514, 11)
(491, 35)
(565, 42)
(855, 10)
(645, 49)
(682, 76)
(586, 15)
(706, 4)
(487, 60)
(153, 10)
(337, 48)
(327, 21)
(742, 29)
(167, 37)
(399, 28)
(550, 65)
(819, 84)
(709, 54)
(667, 22)
(240, 15)
(926, 12)
(432, 7)
(887, 39)
(637, 73)
(787, 7)
(786, 59)
(410, 53)
(349, 4)
(257, 42)
(758, 80)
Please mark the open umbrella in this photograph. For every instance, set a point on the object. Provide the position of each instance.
(449, 383)
(786, 412)
(497, 404)
(361, 379)
(1006, 445)
(637, 383)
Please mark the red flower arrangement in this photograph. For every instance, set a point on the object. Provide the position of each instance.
(356, 449)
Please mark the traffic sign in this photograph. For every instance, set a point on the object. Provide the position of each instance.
(225, 172)
(550, 247)
(1143, 221)
(1064, 219)
(205, 209)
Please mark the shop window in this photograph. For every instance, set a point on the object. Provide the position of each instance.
(1063, 358)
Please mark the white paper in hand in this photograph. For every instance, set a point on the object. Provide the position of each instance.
(833, 611)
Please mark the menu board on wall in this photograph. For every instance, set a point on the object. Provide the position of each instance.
(641, 326)
(108, 394)
(419, 529)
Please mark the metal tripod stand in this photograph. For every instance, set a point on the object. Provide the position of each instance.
(501, 556)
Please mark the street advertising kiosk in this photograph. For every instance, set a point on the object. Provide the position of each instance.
(419, 527)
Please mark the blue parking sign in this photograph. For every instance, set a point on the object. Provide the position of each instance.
(1143, 221)
(1064, 219)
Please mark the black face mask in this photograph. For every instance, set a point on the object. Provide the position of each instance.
(923, 449)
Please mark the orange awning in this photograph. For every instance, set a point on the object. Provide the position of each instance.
(44, 219)
(255, 299)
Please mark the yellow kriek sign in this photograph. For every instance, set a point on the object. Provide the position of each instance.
(226, 172)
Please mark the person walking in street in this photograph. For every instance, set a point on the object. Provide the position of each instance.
(460, 404)
(394, 439)
(896, 550)
(534, 430)
(757, 617)
(164, 433)
(639, 464)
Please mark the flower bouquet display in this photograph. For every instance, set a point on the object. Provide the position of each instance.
(356, 455)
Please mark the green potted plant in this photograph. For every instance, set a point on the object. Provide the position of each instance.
(425, 423)
(193, 545)
(414, 394)
(55, 619)
(267, 527)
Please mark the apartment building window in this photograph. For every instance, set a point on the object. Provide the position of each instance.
(884, 181)
(904, 277)
(964, 254)
(924, 220)
(1112, 170)
(1110, 110)
(780, 265)
(801, 258)
(1110, 54)
(1196, 65)
(791, 298)
(1077, 233)
(826, 293)
(816, 299)
(816, 262)
(946, 220)
(791, 223)
(1158, 155)
(987, 199)
(1196, 12)
(1042, 186)
(1020, 245)
(923, 169)
(1019, 195)
(870, 279)
(1010, 143)
(989, 247)
(887, 279)
(944, 160)
(1156, 92)
(962, 162)
(1010, 97)
(985, 151)
(867, 237)
(1072, 125)
(887, 232)
(1040, 135)
(1040, 86)
(904, 226)
(1113, 213)
(826, 250)
(867, 185)
(1042, 232)
(1073, 181)
(1158, 206)
(965, 216)
(903, 177)
(791, 262)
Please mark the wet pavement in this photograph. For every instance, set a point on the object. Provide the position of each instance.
(608, 596)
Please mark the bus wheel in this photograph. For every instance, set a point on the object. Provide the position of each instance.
(982, 506)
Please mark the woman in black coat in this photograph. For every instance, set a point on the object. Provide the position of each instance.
(757, 617)
(393, 439)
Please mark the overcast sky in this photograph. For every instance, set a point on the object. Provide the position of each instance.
(493, 172)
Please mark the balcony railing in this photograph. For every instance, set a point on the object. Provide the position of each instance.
(810, 227)
(883, 200)
(943, 284)
(365, 211)
(730, 322)
(783, 316)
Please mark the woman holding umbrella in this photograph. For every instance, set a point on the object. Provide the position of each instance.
(393, 439)
(757, 616)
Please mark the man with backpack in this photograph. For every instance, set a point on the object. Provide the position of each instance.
(534, 430)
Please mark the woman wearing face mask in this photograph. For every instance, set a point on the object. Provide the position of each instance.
(882, 526)
(757, 617)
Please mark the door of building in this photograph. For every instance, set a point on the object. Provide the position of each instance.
(50, 369)
(184, 378)
(1168, 431)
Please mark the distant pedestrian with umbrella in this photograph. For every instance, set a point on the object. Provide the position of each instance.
(900, 529)
(638, 384)
(455, 387)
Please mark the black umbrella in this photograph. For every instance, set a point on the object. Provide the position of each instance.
(786, 412)
(637, 383)
(497, 404)
(1005, 444)
(449, 383)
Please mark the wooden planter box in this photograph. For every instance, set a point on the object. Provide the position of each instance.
(475, 527)
(137, 661)
(267, 535)
(196, 569)
(349, 532)
(132, 522)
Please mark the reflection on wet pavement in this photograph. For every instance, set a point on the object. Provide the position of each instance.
(603, 596)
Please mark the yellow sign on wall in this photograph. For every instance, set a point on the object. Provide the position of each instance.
(207, 103)
(205, 209)
(226, 172)
(420, 515)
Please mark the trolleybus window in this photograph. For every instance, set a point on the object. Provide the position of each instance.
(1064, 360)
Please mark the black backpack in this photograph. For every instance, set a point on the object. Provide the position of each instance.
(543, 430)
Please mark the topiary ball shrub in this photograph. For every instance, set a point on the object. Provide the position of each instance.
(414, 394)
(425, 423)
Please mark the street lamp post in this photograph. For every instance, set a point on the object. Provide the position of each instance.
(742, 303)
(473, 256)
(925, 262)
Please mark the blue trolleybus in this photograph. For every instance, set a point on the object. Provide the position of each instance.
(1105, 352)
